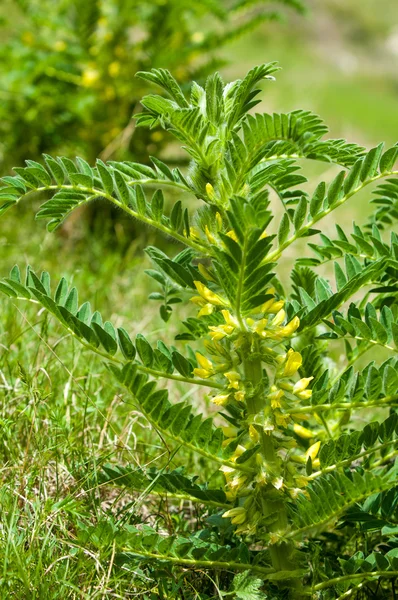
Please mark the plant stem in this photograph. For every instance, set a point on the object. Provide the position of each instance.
(282, 554)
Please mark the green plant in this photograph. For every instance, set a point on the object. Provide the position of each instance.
(69, 65)
(307, 502)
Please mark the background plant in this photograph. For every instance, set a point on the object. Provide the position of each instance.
(69, 65)
(293, 455)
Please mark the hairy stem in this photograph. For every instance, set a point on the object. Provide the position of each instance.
(282, 555)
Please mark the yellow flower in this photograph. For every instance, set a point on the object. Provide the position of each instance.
(90, 77)
(263, 235)
(275, 306)
(210, 191)
(194, 233)
(232, 235)
(277, 483)
(293, 363)
(229, 319)
(220, 331)
(302, 384)
(253, 434)
(282, 419)
(208, 295)
(275, 397)
(302, 432)
(114, 68)
(210, 236)
(237, 515)
(220, 400)
(279, 318)
(219, 220)
(305, 395)
(204, 362)
(240, 396)
(202, 373)
(233, 378)
(207, 309)
(290, 328)
(313, 450)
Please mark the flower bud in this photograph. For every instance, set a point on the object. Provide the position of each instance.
(301, 385)
(203, 361)
(237, 515)
(312, 451)
(210, 191)
(279, 318)
(302, 432)
(208, 295)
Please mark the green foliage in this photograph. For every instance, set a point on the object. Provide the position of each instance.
(67, 66)
(300, 462)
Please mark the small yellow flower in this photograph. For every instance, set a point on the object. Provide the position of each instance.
(293, 363)
(237, 515)
(233, 378)
(210, 191)
(301, 385)
(282, 419)
(240, 396)
(194, 233)
(302, 481)
(232, 235)
(279, 318)
(204, 362)
(305, 395)
(253, 434)
(276, 397)
(90, 77)
(207, 309)
(290, 328)
(219, 220)
(220, 331)
(220, 399)
(229, 319)
(263, 235)
(202, 373)
(277, 483)
(302, 432)
(208, 295)
(312, 451)
(114, 68)
(210, 236)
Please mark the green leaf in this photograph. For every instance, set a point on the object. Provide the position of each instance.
(122, 188)
(247, 587)
(125, 344)
(283, 230)
(144, 350)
